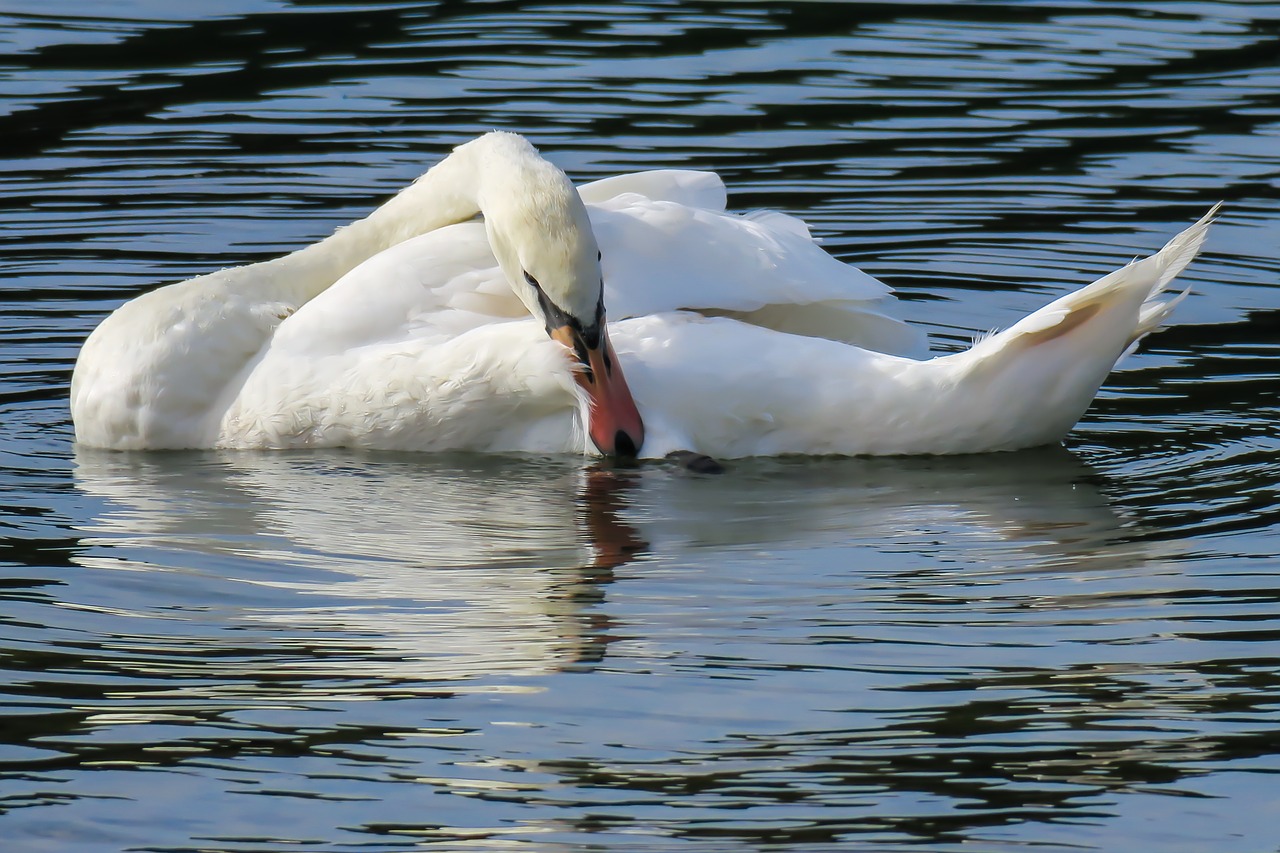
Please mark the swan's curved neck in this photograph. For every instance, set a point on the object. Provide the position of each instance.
(454, 190)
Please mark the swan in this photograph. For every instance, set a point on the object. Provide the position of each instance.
(182, 366)
(422, 327)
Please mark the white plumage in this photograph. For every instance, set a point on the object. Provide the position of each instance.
(739, 336)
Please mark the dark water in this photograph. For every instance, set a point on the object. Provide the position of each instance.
(1075, 648)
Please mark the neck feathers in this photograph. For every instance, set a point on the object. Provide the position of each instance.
(499, 173)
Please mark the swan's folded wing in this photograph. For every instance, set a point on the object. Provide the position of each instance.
(761, 268)
(683, 186)
(435, 286)
(658, 256)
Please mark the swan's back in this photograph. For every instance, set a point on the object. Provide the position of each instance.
(151, 374)
(666, 245)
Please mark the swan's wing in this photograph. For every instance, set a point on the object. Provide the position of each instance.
(434, 287)
(658, 255)
(423, 346)
(762, 268)
(500, 386)
(683, 186)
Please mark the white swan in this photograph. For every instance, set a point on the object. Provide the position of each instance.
(738, 334)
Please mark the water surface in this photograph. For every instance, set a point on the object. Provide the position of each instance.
(1063, 649)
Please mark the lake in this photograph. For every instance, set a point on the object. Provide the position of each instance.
(1070, 648)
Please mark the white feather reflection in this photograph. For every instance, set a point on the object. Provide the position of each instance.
(416, 567)
(447, 568)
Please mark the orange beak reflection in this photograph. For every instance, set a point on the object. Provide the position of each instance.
(614, 421)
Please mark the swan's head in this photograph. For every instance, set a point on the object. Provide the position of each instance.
(541, 235)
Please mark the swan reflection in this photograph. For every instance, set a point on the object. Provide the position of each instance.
(455, 567)
(412, 566)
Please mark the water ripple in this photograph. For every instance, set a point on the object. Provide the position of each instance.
(1057, 648)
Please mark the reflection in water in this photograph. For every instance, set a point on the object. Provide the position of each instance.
(1032, 511)
(304, 579)
(419, 569)
(978, 654)
(760, 655)
(427, 528)
(399, 568)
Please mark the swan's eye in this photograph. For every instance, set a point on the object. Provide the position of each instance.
(533, 282)
(599, 255)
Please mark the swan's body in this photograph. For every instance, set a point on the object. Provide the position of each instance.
(739, 335)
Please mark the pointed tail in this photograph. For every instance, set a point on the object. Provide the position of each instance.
(1044, 371)
(1133, 292)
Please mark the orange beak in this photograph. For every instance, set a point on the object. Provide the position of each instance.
(614, 422)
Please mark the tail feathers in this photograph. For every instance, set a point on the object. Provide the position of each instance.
(1151, 316)
(1172, 260)
(1041, 373)
(1179, 251)
(1130, 297)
